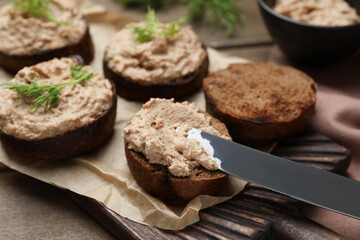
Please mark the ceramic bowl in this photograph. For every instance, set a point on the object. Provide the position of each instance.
(310, 44)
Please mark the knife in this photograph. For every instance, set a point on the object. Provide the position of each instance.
(299, 181)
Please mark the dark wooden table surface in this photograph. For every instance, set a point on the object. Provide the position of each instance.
(30, 209)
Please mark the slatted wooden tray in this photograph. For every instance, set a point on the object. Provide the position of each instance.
(255, 213)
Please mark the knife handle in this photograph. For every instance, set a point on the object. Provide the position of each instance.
(291, 227)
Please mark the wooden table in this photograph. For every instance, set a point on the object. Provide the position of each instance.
(30, 209)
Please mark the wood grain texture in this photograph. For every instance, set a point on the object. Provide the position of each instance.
(255, 213)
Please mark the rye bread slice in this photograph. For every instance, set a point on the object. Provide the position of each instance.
(156, 179)
(260, 101)
(177, 88)
(69, 144)
(84, 47)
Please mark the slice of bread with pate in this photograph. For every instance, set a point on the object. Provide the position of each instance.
(260, 101)
(78, 117)
(165, 66)
(163, 161)
(28, 38)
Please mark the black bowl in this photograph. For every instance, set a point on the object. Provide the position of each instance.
(310, 44)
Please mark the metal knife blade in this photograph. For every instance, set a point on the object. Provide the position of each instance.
(305, 183)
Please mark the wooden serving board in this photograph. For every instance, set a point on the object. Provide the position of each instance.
(255, 213)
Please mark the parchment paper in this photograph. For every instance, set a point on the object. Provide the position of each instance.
(103, 174)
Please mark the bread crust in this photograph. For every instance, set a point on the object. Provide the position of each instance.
(177, 88)
(84, 47)
(246, 125)
(156, 179)
(69, 144)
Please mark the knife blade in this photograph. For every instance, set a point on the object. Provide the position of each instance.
(299, 181)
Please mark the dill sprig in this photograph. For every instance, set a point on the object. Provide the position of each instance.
(173, 27)
(223, 14)
(152, 25)
(220, 14)
(48, 94)
(37, 8)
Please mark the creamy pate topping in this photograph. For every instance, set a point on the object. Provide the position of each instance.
(318, 12)
(159, 61)
(78, 105)
(160, 130)
(22, 35)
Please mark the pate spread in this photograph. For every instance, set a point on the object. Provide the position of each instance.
(158, 61)
(160, 130)
(23, 35)
(77, 106)
(318, 12)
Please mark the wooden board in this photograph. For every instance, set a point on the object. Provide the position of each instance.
(255, 213)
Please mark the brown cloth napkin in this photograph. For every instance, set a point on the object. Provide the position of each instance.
(337, 115)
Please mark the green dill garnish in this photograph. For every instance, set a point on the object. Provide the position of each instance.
(173, 27)
(37, 8)
(219, 14)
(144, 34)
(222, 14)
(48, 94)
(152, 25)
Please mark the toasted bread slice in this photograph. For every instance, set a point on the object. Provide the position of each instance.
(176, 88)
(84, 47)
(69, 144)
(66, 144)
(159, 182)
(260, 101)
